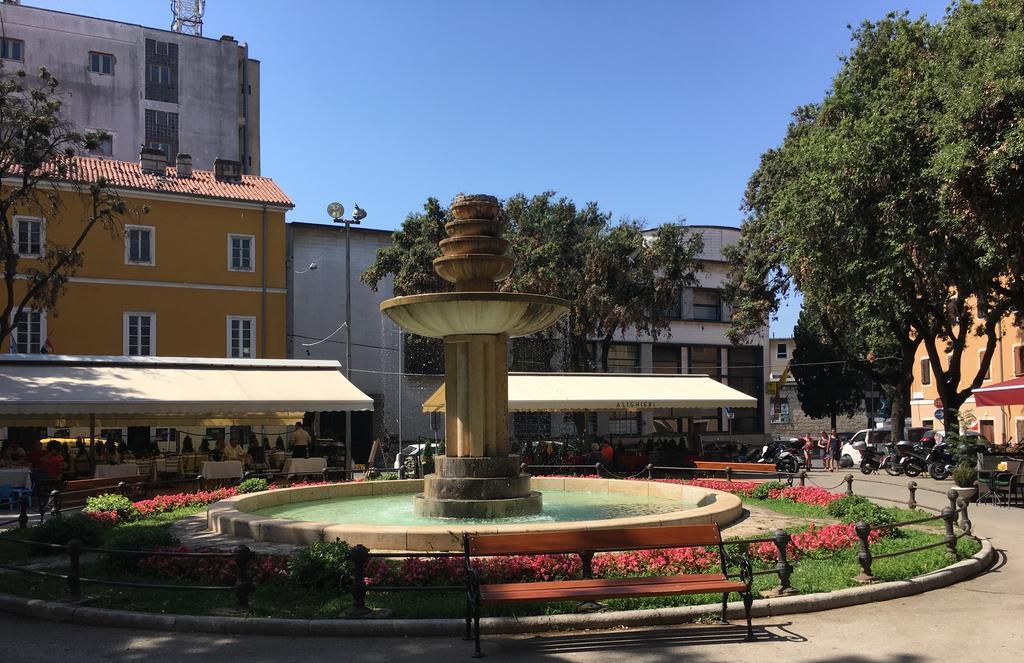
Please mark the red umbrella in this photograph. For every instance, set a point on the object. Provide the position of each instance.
(1010, 392)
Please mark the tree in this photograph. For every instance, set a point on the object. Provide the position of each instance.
(825, 384)
(37, 150)
(615, 276)
(860, 208)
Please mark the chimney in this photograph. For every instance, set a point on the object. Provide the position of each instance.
(153, 161)
(184, 165)
(227, 170)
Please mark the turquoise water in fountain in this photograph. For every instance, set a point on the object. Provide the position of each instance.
(559, 506)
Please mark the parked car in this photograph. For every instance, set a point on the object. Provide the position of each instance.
(876, 438)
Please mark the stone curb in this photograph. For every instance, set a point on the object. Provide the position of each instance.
(770, 607)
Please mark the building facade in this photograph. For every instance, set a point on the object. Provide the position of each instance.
(144, 86)
(194, 268)
(695, 343)
(786, 415)
(998, 424)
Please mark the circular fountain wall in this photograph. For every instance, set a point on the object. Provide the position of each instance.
(580, 503)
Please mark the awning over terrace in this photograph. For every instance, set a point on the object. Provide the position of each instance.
(611, 392)
(1010, 392)
(66, 390)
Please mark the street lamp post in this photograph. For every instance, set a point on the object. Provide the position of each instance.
(337, 213)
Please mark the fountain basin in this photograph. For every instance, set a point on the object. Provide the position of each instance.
(237, 516)
(450, 314)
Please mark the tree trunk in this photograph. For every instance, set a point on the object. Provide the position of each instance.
(834, 417)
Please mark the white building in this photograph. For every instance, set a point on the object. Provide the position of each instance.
(695, 343)
(144, 86)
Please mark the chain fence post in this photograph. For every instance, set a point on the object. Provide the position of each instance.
(864, 558)
(849, 484)
(359, 556)
(23, 513)
(54, 503)
(74, 554)
(650, 471)
(122, 488)
(965, 521)
(243, 586)
(803, 478)
(597, 469)
(728, 474)
(949, 517)
(784, 568)
(912, 499)
(952, 496)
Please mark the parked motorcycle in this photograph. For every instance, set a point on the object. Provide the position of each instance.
(870, 460)
(913, 458)
(890, 461)
(780, 454)
(940, 462)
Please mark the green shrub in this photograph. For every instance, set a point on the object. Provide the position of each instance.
(121, 505)
(324, 564)
(965, 476)
(763, 489)
(61, 530)
(854, 508)
(374, 475)
(254, 485)
(139, 536)
(839, 507)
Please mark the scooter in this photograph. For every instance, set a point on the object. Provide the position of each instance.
(890, 461)
(781, 456)
(940, 462)
(870, 460)
(913, 459)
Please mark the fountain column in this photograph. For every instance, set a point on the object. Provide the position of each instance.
(476, 478)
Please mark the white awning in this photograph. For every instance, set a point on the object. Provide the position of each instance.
(68, 390)
(609, 392)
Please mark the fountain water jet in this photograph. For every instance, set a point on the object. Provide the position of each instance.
(477, 477)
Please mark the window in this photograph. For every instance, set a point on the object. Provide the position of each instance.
(12, 49)
(707, 305)
(162, 47)
(29, 332)
(240, 336)
(166, 438)
(981, 357)
(140, 334)
(240, 253)
(139, 246)
(746, 374)
(926, 371)
(782, 351)
(163, 147)
(30, 236)
(928, 423)
(159, 73)
(624, 423)
(623, 358)
(101, 63)
(705, 359)
(667, 359)
(1018, 360)
(105, 147)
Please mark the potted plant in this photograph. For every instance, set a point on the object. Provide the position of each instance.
(966, 479)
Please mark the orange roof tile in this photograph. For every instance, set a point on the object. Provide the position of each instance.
(202, 184)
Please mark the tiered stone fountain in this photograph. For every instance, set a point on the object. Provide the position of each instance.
(477, 477)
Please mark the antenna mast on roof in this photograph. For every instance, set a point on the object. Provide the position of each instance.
(188, 16)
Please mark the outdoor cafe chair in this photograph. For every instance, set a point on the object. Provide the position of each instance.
(1002, 485)
(7, 495)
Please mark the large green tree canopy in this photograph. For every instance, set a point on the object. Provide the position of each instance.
(615, 275)
(885, 207)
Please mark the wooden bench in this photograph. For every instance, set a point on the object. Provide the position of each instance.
(587, 542)
(80, 489)
(736, 467)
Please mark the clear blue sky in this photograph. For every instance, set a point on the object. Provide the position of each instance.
(657, 110)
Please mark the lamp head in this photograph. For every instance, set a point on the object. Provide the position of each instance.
(336, 211)
(358, 214)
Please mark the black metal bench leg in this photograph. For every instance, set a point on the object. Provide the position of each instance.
(469, 619)
(748, 601)
(476, 630)
(725, 602)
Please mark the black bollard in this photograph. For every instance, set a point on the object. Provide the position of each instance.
(359, 555)
(243, 586)
(849, 484)
(864, 558)
(912, 501)
(74, 553)
(783, 567)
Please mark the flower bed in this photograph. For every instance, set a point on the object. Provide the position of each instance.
(217, 570)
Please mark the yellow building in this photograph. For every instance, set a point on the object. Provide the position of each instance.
(200, 274)
(998, 424)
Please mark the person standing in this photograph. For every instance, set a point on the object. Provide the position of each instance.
(826, 458)
(300, 442)
(835, 446)
(808, 450)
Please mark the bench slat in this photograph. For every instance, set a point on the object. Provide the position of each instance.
(739, 467)
(570, 541)
(603, 582)
(584, 590)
